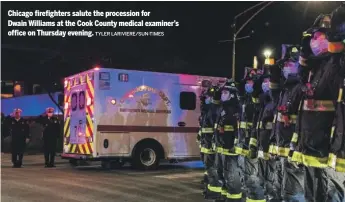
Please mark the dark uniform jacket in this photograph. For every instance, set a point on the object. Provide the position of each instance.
(51, 129)
(226, 125)
(249, 115)
(204, 110)
(19, 131)
(313, 129)
(337, 148)
(287, 110)
(261, 138)
(208, 126)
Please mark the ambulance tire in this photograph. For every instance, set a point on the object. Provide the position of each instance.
(142, 151)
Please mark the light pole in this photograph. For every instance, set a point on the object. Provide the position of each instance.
(236, 32)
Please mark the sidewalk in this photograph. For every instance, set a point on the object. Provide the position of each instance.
(29, 160)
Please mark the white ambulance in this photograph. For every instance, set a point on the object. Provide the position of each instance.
(115, 116)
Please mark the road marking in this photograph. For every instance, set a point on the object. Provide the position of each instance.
(180, 175)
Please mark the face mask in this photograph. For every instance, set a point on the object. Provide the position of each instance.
(319, 45)
(225, 96)
(290, 68)
(249, 88)
(208, 100)
(265, 87)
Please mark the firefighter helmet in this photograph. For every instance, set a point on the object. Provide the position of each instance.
(217, 93)
(210, 91)
(251, 73)
(322, 23)
(290, 52)
(338, 22)
(230, 85)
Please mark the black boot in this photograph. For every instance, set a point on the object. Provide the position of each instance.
(19, 164)
(210, 195)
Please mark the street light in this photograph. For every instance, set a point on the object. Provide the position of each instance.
(267, 53)
(268, 60)
(236, 32)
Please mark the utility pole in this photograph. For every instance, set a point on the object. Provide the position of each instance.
(234, 50)
(236, 32)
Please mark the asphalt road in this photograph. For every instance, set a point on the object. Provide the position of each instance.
(34, 183)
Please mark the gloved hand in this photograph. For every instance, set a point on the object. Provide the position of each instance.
(305, 53)
(280, 63)
(305, 47)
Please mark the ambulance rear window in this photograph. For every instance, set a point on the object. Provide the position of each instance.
(187, 100)
(74, 101)
(81, 100)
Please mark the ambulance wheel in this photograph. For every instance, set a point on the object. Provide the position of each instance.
(146, 157)
(73, 162)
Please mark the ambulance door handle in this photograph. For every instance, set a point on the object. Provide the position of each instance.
(181, 124)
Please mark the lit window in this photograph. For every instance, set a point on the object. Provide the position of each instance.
(123, 77)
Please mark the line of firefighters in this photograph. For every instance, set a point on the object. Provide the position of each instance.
(285, 140)
(18, 129)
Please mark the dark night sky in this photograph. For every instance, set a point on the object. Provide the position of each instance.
(190, 48)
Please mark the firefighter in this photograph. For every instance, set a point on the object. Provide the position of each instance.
(262, 183)
(317, 112)
(289, 177)
(249, 114)
(211, 189)
(205, 100)
(51, 133)
(20, 134)
(228, 177)
(337, 149)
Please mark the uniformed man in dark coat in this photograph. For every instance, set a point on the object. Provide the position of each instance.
(51, 133)
(20, 133)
